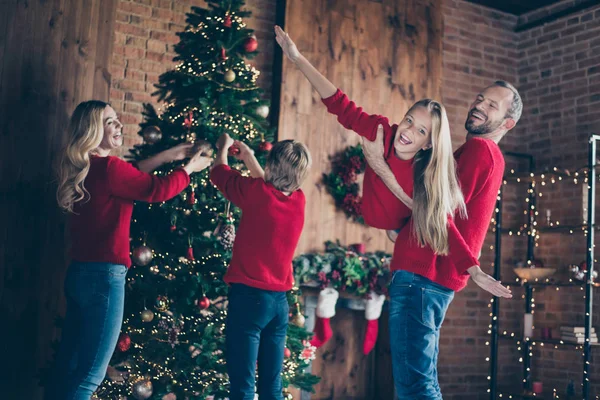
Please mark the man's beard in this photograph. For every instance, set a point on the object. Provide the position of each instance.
(483, 129)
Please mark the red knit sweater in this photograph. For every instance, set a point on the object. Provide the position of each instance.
(100, 225)
(380, 207)
(480, 170)
(268, 233)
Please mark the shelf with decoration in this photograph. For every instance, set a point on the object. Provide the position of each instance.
(532, 275)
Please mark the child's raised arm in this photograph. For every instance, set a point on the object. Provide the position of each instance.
(247, 156)
(316, 79)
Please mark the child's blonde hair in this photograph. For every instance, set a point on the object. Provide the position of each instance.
(287, 165)
(86, 131)
(436, 191)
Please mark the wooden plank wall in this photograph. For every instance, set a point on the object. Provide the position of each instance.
(53, 55)
(385, 54)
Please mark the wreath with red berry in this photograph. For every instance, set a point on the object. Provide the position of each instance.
(342, 181)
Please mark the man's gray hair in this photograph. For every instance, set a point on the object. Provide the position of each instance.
(516, 107)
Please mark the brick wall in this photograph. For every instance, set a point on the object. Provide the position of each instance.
(559, 79)
(145, 32)
(556, 68)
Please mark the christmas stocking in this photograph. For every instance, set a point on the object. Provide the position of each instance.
(325, 310)
(373, 306)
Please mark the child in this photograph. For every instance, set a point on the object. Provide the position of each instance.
(260, 272)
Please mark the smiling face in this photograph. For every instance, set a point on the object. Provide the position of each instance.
(414, 133)
(113, 135)
(489, 110)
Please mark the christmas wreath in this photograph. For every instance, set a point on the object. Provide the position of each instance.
(342, 181)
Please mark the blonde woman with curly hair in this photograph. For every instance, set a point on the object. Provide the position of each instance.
(98, 191)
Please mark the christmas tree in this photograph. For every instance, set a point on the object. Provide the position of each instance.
(172, 341)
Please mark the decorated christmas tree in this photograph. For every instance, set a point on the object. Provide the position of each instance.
(172, 342)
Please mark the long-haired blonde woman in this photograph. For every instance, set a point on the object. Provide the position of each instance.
(418, 151)
(98, 191)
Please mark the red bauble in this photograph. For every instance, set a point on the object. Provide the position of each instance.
(251, 44)
(191, 198)
(223, 54)
(358, 248)
(234, 151)
(173, 228)
(265, 146)
(190, 253)
(124, 342)
(204, 303)
(287, 353)
(227, 22)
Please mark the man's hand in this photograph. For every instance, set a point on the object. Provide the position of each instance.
(374, 154)
(488, 283)
(373, 151)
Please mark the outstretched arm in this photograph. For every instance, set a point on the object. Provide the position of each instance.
(316, 79)
(175, 153)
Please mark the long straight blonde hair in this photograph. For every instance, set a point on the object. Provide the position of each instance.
(436, 192)
(86, 131)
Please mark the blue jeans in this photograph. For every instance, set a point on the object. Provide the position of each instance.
(95, 295)
(256, 330)
(417, 309)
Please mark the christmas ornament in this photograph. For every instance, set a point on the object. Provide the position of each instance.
(203, 147)
(169, 396)
(227, 235)
(190, 253)
(173, 336)
(147, 316)
(188, 122)
(204, 303)
(162, 303)
(309, 353)
(229, 76)
(287, 353)
(227, 21)
(324, 312)
(358, 248)
(223, 54)
(233, 150)
(142, 256)
(142, 390)
(250, 44)
(265, 146)
(124, 342)
(262, 111)
(152, 134)
(298, 319)
(579, 272)
(173, 228)
(191, 199)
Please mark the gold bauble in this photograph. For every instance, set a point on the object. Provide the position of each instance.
(298, 320)
(229, 76)
(203, 147)
(147, 316)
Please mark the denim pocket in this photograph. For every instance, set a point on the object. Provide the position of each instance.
(434, 304)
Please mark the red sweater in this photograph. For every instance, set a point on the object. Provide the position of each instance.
(380, 207)
(268, 233)
(480, 170)
(100, 225)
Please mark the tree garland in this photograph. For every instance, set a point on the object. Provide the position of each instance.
(344, 269)
(342, 183)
